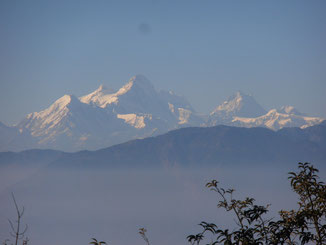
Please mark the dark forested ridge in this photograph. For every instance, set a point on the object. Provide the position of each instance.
(195, 146)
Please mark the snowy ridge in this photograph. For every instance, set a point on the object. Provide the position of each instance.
(105, 117)
(68, 124)
(289, 110)
(275, 120)
(239, 104)
(50, 117)
(137, 121)
(100, 97)
(101, 118)
(237, 109)
(104, 97)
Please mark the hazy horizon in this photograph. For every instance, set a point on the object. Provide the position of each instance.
(71, 206)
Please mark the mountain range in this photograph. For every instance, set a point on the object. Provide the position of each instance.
(192, 146)
(137, 110)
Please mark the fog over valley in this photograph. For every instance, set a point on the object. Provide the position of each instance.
(68, 206)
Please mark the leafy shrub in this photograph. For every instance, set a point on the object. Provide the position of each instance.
(305, 225)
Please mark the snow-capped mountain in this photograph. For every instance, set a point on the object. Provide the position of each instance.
(70, 124)
(137, 97)
(243, 111)
(133, 97)
(238, 105)
(106, 117)
(102, 118)
(276, 120)
(138, 100)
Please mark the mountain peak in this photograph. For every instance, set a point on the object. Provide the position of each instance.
(51, 116)
(101, 88)
(141, 81)
(272, 112)
(289, 110)
(239, 95)
(100, 96)
(138, 82)
(239, 104)
(65, 100)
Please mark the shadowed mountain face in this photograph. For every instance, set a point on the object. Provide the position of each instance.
(198, 147)
(137, 110)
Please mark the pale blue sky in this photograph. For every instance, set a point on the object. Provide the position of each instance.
(205, 50)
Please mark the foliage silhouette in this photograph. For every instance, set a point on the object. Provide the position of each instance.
(302, 226)
(95, 242)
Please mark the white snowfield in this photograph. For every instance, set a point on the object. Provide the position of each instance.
(137, 121)
(106, 117)
(100, 97)
(275, 120)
